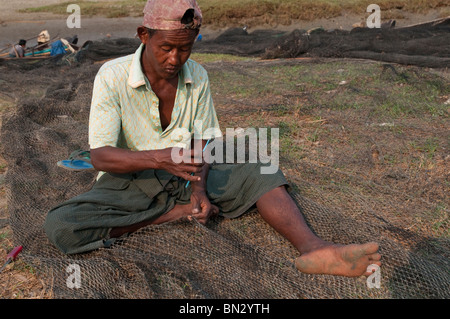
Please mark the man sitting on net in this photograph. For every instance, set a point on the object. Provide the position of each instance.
(138, 102)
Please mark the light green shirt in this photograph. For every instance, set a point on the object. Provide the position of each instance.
(125, 113)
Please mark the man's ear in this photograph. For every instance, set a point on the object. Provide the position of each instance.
(143, 34)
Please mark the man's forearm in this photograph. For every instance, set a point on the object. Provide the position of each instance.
(116, 160)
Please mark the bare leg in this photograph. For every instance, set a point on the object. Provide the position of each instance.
(280, 211)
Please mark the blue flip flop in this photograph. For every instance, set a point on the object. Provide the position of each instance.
(75, 165)
(78, 160)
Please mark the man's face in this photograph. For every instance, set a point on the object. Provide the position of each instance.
(166, 51)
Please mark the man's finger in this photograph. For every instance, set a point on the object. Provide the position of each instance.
(214, 210)
(196, 208)
(189, 168)
(190, 157)
(189, 177)
(194, 162)
(206, 208)
(193, 169)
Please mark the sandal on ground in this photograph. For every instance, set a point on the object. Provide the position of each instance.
(78, 160)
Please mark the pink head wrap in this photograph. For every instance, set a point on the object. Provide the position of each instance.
(172, 15)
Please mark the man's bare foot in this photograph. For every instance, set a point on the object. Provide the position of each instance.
(350, 260)
(179, 211)
(187, 210)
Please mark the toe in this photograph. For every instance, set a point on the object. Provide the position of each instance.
(370, 248)
(375, 257)
(372, 268)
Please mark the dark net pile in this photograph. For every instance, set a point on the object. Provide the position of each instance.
(239, 258)
(423, 45)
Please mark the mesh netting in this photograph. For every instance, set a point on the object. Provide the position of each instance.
(421, 45)
(238, 258)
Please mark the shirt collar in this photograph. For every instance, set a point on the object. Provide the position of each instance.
(137, 77)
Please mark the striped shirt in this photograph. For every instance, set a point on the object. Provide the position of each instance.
(125, 110)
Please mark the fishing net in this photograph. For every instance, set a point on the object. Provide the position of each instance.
(226, 258)
(421, 45)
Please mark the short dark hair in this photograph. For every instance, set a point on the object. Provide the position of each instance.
(151, 32)
(22, 42)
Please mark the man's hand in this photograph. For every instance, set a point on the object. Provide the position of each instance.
(188, 166)
(202, 209)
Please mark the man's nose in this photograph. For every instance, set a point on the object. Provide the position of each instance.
(174, 57)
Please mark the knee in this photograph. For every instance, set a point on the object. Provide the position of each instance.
(56, 230)
(262, 173)
(68, 235)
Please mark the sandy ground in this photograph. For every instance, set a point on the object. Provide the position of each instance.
(15, 25)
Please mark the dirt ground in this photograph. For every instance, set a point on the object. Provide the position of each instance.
(306, 102)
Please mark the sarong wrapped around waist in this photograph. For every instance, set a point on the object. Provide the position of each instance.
(83, 223)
